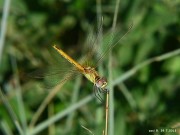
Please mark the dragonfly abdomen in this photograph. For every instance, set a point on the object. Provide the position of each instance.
(67, 57)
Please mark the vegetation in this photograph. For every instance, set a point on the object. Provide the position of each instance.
(143, 69)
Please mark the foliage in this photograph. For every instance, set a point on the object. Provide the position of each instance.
(144, 102)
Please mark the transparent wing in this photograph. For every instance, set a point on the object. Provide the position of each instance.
(57, 70)
(110, 40)
(92, 43)
(107, 42)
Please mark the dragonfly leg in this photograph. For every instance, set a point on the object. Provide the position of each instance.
(99, 93)
(104, 91)
(96, 93)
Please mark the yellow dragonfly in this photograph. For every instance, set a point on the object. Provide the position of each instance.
(100, 83)
(90, 73)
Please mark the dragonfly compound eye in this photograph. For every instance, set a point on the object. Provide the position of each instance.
(101, 83)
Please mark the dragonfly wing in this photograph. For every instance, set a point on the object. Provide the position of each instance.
(57, 70)
(110, 40)
(92, 43)
(53, 80)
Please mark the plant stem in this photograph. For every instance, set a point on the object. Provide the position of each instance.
(107, 113)
(3, 25)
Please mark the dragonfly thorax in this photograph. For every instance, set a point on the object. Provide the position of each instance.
(92, 75)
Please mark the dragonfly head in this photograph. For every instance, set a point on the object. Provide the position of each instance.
(101, 83)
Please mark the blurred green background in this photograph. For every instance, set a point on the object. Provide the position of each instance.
(145, 101)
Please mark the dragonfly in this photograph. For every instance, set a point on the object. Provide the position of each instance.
(99, 82)
(90, 73)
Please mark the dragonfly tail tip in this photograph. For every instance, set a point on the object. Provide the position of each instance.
(54, 46)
